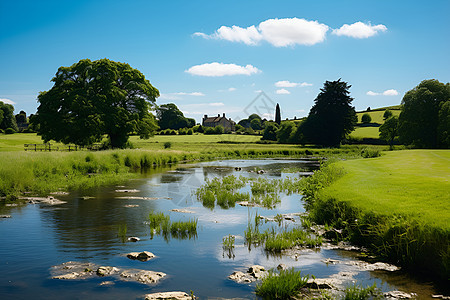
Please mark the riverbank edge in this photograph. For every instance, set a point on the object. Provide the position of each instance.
(399, 239)
(44, 173)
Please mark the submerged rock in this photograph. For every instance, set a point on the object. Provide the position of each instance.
(134, 239)
(106, 283)
(282, 267)
(50, 200)
(143, 198)
(142, 276)
(399, 295)
(253, 273)
(106, 271)
(142, 256)
(73, 270)
(184, 211)
(128, 191)
(131, 205)
(5, 216)
(362, 265)
(59, 193)
(169, 296)
(81, 270)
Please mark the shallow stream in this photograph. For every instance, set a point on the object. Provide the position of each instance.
(87, 229)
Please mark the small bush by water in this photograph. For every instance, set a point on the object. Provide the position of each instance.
(357, 292)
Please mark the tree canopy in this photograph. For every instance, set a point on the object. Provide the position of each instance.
(92, 98)
(423, 121)
(170, 117)
(389, 130)
(7, 118)
(332, 117)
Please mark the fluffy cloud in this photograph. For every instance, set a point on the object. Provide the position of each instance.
(278, 32)
(7, 101)
(385, 93)
(288, 32)
(390, 93)
(283, 92)
(231, 89)
(286, 83)
(359, 30)
(216, 69)
(190, 94)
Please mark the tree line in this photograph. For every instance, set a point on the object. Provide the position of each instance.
(93, 99)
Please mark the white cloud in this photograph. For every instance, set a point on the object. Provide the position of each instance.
(231, 89)
(288, 32)
(216, 104)
(370, 93)
(391, 92)
(359, 30)
(278, 32)
(216, 69)
(286, 83)
(283, 92)
(7, 101)
(175, 96)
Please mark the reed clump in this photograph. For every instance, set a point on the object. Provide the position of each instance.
(283, 285)
(160, 224)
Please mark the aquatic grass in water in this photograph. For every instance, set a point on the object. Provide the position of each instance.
(160, 224)
(283, 285)
(222, 191)
(357, 292)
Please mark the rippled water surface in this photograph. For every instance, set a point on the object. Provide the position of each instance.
(86, 228)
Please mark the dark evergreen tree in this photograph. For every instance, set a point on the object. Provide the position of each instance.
(332, 117)
(170, 117)
(270, 131)
(277, 115)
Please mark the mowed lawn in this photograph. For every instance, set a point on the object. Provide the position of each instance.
(366, 132)
(408, 182)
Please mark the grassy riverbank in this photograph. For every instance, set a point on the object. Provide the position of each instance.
(44, 172)
(396, 204)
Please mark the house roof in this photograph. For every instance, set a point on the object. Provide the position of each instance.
(214, 119)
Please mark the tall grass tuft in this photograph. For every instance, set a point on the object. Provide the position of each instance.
(285, 285)
(161, 224)
(357, 292)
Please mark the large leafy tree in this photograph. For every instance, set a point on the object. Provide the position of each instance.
(7, 119)
(92, 98)
(332, 117)
(170, 117)
(421, 122)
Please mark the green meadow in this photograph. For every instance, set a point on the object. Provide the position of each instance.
(410, 182)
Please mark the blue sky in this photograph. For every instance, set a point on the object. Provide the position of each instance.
(212, 57)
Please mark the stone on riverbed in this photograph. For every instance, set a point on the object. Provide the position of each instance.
(106, 271)
(142, 256)
(50, 200)
(184, 211)
(142, 276)
(399, 295)
(134, 239)
(169, 296)
(73, 270)
(5, 216)
(128, 191)
(253, 273)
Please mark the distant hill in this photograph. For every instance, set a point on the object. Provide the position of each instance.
(370, 131)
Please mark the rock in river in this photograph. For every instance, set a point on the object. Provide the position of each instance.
(253, 273)
(169, 296)
(142, 276)
(134, 239)
(106, 271)
(142, 256)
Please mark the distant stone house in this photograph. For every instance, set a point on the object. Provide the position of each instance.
(227, 124)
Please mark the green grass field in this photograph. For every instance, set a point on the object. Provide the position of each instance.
(408, 182)
(377, 115)
(366, 132)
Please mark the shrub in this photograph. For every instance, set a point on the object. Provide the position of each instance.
(209, 130)
(366, 118)
(387, 114)
(9, 131)
(190, 131)
(1, 131)
(370, 152)
(219, 129)
(167, 145)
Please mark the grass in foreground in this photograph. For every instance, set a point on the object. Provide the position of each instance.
(161, 224)
(284, 285)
